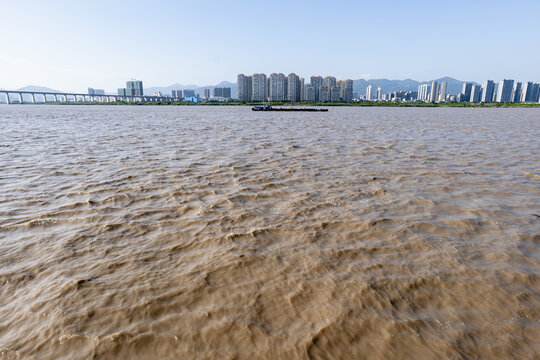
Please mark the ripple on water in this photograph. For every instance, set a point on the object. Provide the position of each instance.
(216, 232)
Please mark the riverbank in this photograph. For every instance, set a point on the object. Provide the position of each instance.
(284, 103)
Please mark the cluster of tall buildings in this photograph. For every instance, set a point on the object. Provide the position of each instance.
(92, 91)
(181, 94)
(292, 88)
(436, 92)
(279, 87)
(133, 88)
(217, 92)
(395, 96)
(505, 91)
(222, 92)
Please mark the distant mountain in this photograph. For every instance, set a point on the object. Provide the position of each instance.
(166, 90)
(453, 85)
(386, 85)
(27, 97)
(38, 88)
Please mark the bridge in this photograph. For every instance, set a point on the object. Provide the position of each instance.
(74, 97)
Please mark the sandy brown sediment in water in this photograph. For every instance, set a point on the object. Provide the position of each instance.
(184, 233)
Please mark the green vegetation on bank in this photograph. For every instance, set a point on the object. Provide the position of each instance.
(285, 103)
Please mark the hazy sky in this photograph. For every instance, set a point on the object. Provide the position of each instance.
(71, 45)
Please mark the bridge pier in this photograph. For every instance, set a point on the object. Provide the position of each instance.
(44, 98)
(21, 98)
(33, 98)
(7, 99)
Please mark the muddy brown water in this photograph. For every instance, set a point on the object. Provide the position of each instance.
(220, 233)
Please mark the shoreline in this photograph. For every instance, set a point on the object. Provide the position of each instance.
(282, 103)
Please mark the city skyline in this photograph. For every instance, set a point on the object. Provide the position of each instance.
(292, 88)
(74, 45)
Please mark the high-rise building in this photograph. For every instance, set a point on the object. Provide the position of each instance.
(442, 93)
(310, 94)
(316, 82)
(323, 93)
(379, 93)
(134, 88)
(277, 87)
(347, 93)
(369, 90)
(535, 97)
(536, 93)
(329, 82)
(466, 91)
(335, 92)
(434, 95)
(345, 88)
(258, 83)
(488, 88)
(423, 92)
(504, 91)
(244, 86)
(188, 93)
(527, 92)
(293, 87)
(476, 92)
(207, 93)
(516, 92)
(92, 91)
(301, 88)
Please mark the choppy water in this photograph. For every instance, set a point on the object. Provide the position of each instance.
(219, 233)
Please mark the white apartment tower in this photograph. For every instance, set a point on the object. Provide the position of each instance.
(310, 93)
(516, 92)
(369, 91)
(293, 87)
(277, 87)
(504, 91)
(345, 89)
(316, 82)
(442, 94)
(434, 95)
(423, 92)
(329, 82)
(476, 92)
(258, 91)
(244, 87)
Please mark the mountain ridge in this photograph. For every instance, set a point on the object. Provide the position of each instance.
(359, 86)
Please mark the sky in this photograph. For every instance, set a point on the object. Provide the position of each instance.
(72, 45)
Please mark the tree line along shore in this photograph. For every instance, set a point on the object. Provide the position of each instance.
(303, 103)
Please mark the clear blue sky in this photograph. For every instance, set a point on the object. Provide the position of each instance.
(71, 45)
